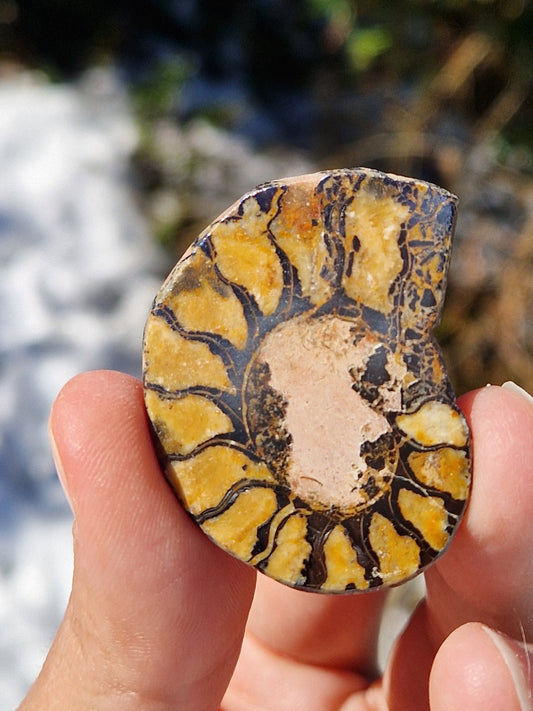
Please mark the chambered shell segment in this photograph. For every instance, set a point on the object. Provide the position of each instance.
(299, 403)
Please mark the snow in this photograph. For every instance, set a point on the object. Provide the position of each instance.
(78, 272)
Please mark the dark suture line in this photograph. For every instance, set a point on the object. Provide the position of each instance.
(230, 497)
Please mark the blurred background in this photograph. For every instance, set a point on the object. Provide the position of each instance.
(126, 127)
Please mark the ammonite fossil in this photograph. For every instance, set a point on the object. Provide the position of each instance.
(299, 402)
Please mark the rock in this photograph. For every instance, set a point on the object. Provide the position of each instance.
(299, 403)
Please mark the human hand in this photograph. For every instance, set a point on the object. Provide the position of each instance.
(157, 612)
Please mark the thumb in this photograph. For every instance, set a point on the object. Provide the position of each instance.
(157, 612)
(479, 669)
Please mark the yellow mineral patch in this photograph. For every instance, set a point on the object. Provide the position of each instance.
(202, 302)
(287, 560)
(435, 423)
(373, 223)
(298, 231)
(444, 469)
(245, 255)
(427, 514)
(202, 481)
(341, 563)
(236, 528)
(185, 423)
(175, 363)
(399, 556)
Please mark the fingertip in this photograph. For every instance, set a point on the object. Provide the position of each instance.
(470, 672)
(501, 422)
(88, 395)
(503, 411)
(77, 416)
(486, 570)
(517, 657)
(92, 384)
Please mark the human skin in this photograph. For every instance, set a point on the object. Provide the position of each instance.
(158, 614)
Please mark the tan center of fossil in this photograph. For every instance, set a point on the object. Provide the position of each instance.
(310, 361)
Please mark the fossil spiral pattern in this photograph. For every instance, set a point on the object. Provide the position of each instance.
(299, 403)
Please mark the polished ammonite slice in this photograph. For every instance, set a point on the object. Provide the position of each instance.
(299, 403)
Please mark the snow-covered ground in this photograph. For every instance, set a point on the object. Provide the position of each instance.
(78, 272)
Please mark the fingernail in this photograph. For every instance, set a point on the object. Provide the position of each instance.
(514, 388)
(519, 668)
(59, 465)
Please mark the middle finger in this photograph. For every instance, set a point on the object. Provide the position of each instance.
(327, 630)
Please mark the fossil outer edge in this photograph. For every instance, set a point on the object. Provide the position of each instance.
(299, 403)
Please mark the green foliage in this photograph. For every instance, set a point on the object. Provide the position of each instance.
(280, 52)
(365, 45)
(157, 93)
